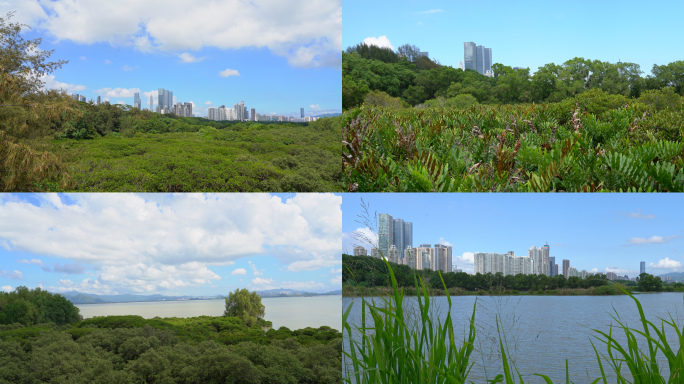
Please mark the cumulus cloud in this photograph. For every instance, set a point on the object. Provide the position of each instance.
(117, 92)
(208, 103)
(652, 240)
(666, 263)
(51, 83)
(7, 288)
(260, 283)
(315, 107)
(239, 271)
(229, 72)
(465, 262)
(127, 68)
(255, 270)
(382, 42)
(189, 58)
(145, 243)
(32, 261)
(444, 242)
(309, 36)
(16, 275)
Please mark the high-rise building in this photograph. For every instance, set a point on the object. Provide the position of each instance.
(151, 104)
(385, 232)
(408, 234)
(252, 116)
(566, 267)
(136, 100)
(360, 251)
(552, 266)
(443, 255)
(398, 236)
(477, 57)
(301, 110)
(541, 259)
(642, 267)
(470, 55)
(98, 100)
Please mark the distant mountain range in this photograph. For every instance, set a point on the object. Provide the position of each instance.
(674, 276)
(87, 298)
(329, 115)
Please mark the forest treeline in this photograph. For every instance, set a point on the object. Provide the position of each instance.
(388, 79)
(43, 348)
(363, 275)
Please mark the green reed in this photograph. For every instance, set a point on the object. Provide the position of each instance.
(395, 349)
(423, 350)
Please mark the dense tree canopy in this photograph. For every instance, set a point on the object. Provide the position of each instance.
(30, 307)
(244, 305)
(418, 79)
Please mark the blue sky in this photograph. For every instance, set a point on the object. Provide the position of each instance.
(525, 33)
(596, 232)
(172, 244)
(276, 56)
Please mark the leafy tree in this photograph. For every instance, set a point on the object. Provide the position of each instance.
(649, 283)
(373, 52)
(410, 52)
(23, 58)
(244, 305)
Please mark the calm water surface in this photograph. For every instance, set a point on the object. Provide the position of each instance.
(291, 312)
(543, 331)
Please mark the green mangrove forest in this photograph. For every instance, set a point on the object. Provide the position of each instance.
(43, 339)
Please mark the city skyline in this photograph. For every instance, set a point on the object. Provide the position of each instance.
(596, 233)
(171, 244)
(279, 56)
(513, 29)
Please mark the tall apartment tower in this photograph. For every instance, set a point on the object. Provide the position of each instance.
(398, 236)
(642, 267)
(151, 104)
(161, 98)
(470, 55)
(566, 267)
(385, 233)
(443, 254)
(301, 110)
(552, 266)
(408, 234)
(136, 100)
(252, 116)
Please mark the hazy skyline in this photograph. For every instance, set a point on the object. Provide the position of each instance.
(171, 244)
(523, 33)
(276, 56)
(599, 233)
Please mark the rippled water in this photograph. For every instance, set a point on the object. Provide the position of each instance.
(291, 312)
(543, 331)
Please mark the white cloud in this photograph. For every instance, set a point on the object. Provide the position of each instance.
(229, 72)
(666, 263)
(208, 103)
(315, 107)
(143, 243)
(11, 275)
(444, 242)
(652, 240)
(239, 271)
(117, 92)
(189, 58)
(640, 215)
(382, 42)
(83, 58)
(619, 271)
(127, 68)
(7, 288)
(32, 261)
(308, 34)
(337, 280)
(465, 262)
(430, 11)
(107, 61)
(262, 282)
(255, 270)
(51, 83)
